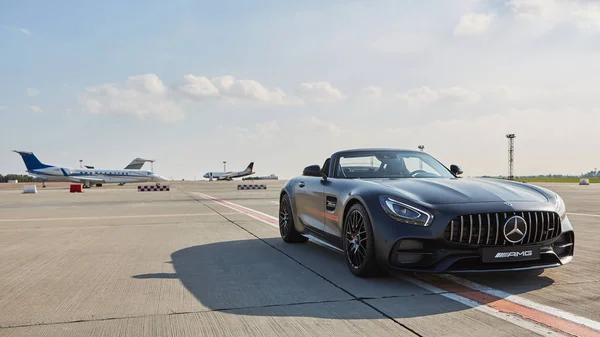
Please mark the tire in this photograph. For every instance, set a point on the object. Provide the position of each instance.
(359, 244)
(287, 228)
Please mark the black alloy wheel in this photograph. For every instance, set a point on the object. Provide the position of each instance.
(359, 246)
(287, 230)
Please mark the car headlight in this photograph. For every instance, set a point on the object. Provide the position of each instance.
(406, 213)
(561, 209)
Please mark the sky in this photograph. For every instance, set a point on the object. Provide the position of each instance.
(286, 83)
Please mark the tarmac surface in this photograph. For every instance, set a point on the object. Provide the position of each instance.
(205, 259)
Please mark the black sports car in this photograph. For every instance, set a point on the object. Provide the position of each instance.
(404, 210)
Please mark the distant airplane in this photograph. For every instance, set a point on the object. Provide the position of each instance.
(85, 176)
(230, 174)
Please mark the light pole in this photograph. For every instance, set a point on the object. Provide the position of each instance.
(511, 155)
(80, 163)
(224, 166)
(421, 147)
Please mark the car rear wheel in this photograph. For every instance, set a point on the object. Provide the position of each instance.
(359, 245)
(287, 230)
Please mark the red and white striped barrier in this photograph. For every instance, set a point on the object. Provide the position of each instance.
(252, 187)
(150, 188)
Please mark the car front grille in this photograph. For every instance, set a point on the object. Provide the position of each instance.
(487, 228)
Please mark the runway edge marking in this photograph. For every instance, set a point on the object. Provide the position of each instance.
(108, 217)
(513, 318)
(584, 214)
(525, 302)
(511, 308)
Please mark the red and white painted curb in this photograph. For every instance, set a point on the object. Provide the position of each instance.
(151, 188)
(252, 187)
(535, 317)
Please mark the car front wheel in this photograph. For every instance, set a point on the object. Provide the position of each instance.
(359, 245)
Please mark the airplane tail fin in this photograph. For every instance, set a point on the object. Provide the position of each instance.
(250, 167)
(136, 164)
(31, 161)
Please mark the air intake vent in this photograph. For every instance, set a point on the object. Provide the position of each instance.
(487, 228)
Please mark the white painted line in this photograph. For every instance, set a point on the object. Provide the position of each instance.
(238, 208)
(511, 318)
(583, 214)
(111, 217)
(275, 202)
(525, 302)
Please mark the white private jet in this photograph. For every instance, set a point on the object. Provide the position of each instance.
(85, 176)
(230, 174)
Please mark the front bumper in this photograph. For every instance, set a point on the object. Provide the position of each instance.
(422, 255)
(425, 249)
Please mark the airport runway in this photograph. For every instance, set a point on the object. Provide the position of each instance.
(206, 260)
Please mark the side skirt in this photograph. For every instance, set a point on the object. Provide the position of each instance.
(323, 243)
(324, 239)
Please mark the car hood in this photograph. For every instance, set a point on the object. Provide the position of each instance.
(453, 191)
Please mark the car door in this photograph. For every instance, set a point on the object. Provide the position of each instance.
(334, 194)
(310, 202)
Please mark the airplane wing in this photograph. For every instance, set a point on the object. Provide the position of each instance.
(87, 178)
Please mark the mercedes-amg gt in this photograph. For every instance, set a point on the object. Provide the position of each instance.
(404, 210)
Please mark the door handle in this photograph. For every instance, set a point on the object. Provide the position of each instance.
(301, 184)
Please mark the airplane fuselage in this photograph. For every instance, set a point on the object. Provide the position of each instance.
(228, 175)
(60, 174)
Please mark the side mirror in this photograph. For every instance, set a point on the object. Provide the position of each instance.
(456, 169)
(312, 171)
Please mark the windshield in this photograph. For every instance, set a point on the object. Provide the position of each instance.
(390, 164)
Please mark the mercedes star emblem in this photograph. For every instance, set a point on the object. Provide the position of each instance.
(515, 229)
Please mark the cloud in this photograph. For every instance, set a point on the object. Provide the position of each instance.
(36, 108)
(146, 95)
(472, 24)
(583, 14)
(232, 90)
(198, 87)
(371, 92)
(330, 127)
(267, 129)
(533, 9)
(423, 96)
(251, 90)
(319, 92)
(141, 96)
(588, 16)
(418, 97)
(32, 92)
(18, 29)
(3, 107)
(459, 95)
(261, 131)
